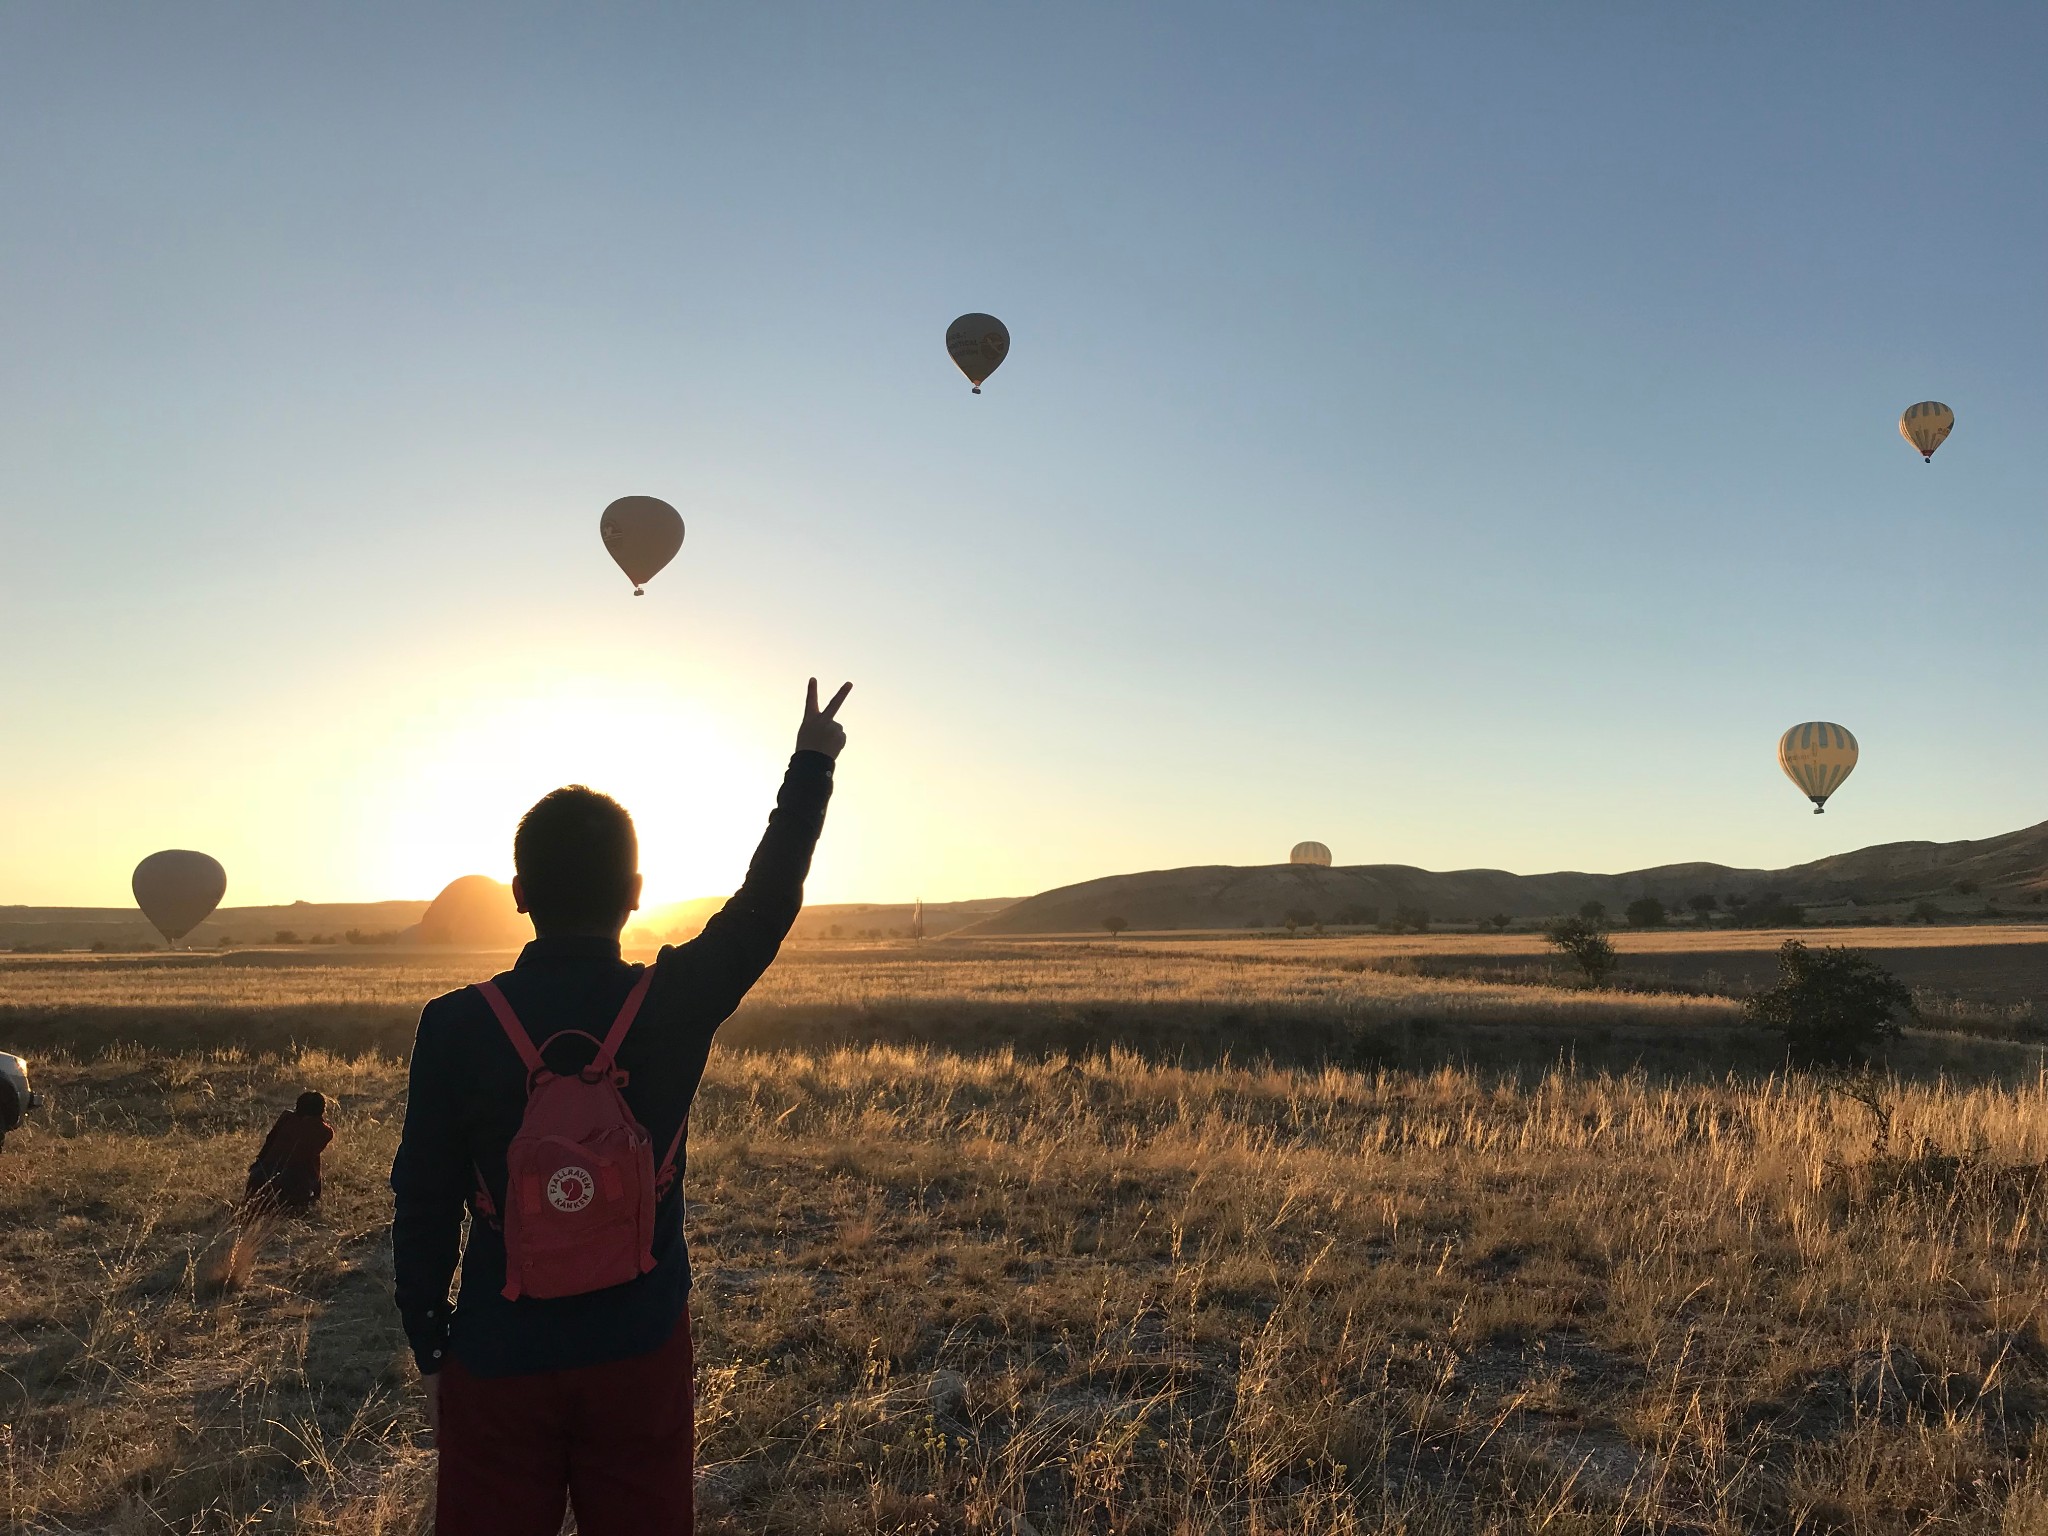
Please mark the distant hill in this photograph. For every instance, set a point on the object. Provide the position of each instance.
(2011, 869)
(846, 920)
(126, 928)
(892, 920)
(474, 922)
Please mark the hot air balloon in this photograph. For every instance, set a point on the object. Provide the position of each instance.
(1927, 426)
(1309, 853)
(178, 890)
(978, 344)
(643, 534)
(475, 912)
(1817, 756)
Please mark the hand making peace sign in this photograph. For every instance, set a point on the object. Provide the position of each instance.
(820, 732)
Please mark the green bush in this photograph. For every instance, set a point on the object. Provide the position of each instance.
(1835, 1007)
(1646, 912)
(1767, 909)
(1585, 941)
(1413, 919)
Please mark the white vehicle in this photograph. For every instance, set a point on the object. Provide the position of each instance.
(16, 1097)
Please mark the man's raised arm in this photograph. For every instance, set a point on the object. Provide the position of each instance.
(741, 939)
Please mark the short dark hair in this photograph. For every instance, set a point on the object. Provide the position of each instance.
(312, 1102)
(576, 856)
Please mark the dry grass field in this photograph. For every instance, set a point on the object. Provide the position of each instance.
(1327, 1243)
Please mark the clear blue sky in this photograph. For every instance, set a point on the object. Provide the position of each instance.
(1463, 434)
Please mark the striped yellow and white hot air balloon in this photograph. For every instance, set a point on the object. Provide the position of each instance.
(1927, 426)
(1309, 853)
(1817, 756)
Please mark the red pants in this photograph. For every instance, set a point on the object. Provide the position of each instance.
(616, 1440)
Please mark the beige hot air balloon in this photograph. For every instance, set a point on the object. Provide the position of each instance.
(978, 344)
(1817, 756)
(178, 890)
(475, 912)
(1309, 853)
(1927, 426)
(643, 534)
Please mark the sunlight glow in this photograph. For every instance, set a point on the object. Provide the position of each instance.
(455, 783)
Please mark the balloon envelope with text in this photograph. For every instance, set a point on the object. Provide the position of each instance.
(642, 533)
(1927, 426)
(978, 343)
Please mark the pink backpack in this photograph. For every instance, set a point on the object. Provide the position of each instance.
(580, 1182)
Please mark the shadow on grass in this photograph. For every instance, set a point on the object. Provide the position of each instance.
(1201, 1034)
(1185, 1033)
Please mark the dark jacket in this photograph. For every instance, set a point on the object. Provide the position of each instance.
(287, 1171)
(468, 1093)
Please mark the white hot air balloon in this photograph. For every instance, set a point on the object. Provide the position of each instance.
(642, 533)
(978, 344)
(178, 890)
(1817, 756)
(1927, 426)
(1309, 853)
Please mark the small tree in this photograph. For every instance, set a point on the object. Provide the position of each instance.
(1925, 911)
(1300, 917)
(1835, 1007)
(1359, 915)
(1595, 912)
(1646, 912)
(1767, 909)
(1704, 904)
(1414, 919)
(1500, 920)
(1585, 942)
(1114, 925)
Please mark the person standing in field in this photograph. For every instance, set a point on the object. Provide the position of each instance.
(552, 1104)
(286, 1174)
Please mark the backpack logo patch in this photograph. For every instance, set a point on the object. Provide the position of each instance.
(571, 1189)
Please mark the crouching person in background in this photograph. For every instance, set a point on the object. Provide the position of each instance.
(551, 1104)
(286, 1174)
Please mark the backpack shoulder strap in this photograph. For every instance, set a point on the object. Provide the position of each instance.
(665, 1175)
(608, 1052)
(514, 1030)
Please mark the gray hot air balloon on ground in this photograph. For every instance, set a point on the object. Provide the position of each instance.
(643, 534)
(178, 890)
(978, 343)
